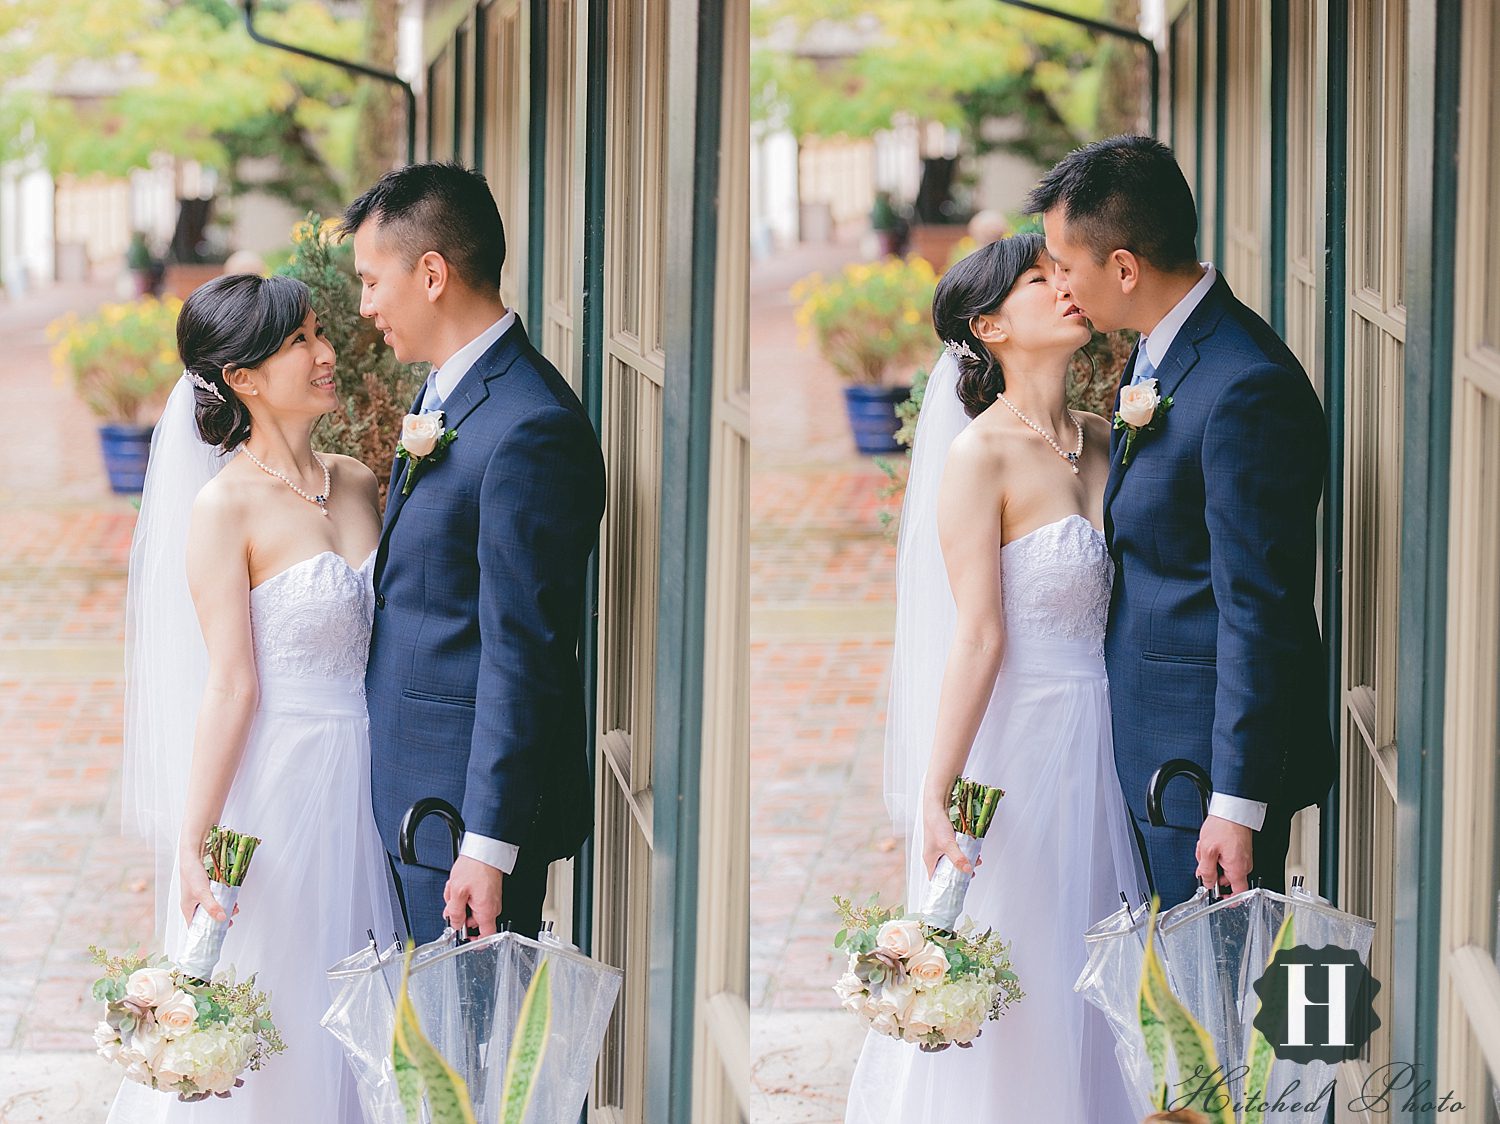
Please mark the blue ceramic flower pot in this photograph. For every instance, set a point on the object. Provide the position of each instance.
(126, 450)
(872, 416)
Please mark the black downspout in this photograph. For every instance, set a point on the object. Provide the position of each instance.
(353, 67)
(1128, 34)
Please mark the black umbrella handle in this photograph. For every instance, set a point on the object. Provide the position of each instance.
(406, 842)
(1177, 767)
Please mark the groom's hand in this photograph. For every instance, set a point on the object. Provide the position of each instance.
(471, 899)
(1225, 854)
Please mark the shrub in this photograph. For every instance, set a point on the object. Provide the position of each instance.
(872, 318)
(122, 358)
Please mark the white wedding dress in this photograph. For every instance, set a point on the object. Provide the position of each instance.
(1054, 861)
(319, 879)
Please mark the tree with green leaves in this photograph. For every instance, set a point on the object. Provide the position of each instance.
(955, 62)
(102, 88)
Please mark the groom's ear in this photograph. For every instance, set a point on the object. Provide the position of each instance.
(1127, 269)
(433, 270)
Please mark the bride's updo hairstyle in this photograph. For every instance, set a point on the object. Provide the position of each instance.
(238, 320)
(975, 286)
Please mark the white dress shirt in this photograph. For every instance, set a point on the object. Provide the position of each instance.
(1160, 339)
(1249, 813)
(443, 381)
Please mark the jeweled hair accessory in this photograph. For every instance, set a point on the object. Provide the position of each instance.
(958, 348)
(202, 383)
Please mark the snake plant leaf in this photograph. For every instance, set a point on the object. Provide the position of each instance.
(528, 1047)
(1190, 1043)
(447, 1095)
(1154, 1031)
(1262, 1057)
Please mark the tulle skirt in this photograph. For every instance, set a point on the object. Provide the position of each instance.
(1054, 861)
(318, 881)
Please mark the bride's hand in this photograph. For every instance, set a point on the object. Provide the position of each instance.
(196, 890)
(938, 840)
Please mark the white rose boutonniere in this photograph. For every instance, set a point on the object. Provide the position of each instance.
(1142, 410)
(424, 439)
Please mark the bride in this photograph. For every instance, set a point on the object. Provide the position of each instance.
(247, 627)
(1003, 588)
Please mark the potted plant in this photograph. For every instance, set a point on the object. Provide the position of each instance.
(889, 227)
(122, 360)
(872, 324)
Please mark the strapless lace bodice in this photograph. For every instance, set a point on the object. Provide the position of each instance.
(1055, 583)
(312, 620)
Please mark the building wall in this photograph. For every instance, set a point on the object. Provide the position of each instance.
(1469, 1026)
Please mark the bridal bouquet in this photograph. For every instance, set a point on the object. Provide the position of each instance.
(931, 987)
(176, 1027)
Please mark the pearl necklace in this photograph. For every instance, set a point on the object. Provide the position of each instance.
(1071, 458)
(320, 501)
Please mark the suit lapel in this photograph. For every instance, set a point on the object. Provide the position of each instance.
(1181, 358)
(471, 390)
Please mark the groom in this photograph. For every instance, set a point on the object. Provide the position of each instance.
(473, 684)
(1212, 646)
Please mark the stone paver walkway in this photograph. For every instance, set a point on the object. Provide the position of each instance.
(67, 878)
(821, 617)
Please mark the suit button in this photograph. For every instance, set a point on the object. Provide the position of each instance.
(380, 601)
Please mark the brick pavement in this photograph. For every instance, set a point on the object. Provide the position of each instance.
(821, 616)
(67, 878)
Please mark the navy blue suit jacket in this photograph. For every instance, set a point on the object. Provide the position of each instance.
(1213, 648)
(473, 683)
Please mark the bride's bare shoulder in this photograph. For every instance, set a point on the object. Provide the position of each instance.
(352, 473)
(984, 444)
(227, 498)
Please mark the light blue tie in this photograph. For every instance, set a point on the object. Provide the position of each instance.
(431, 399)
(1143, 368)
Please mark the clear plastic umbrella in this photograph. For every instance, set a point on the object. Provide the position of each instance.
(468, 998)
(1111, 980)
(1214, 950)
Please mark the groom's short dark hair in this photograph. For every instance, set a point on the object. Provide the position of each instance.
(1124, 193)
(445, 208)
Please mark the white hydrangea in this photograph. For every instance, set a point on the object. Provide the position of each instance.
(212, 1057)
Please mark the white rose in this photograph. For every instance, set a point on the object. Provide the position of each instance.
(901, 937)
(887, 1025)
(895, 999)
(420, 432)
(177, 1015)
(149, 986)
(146, 1044)
(1138, 403)
(107, 1040)
(848, 987)
(928, 967)
(139, 1072)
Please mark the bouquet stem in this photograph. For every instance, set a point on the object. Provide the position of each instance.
(205, 936)
(945, 893)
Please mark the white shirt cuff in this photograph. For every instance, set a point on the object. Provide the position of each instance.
(1247, 813)
(491, 852)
